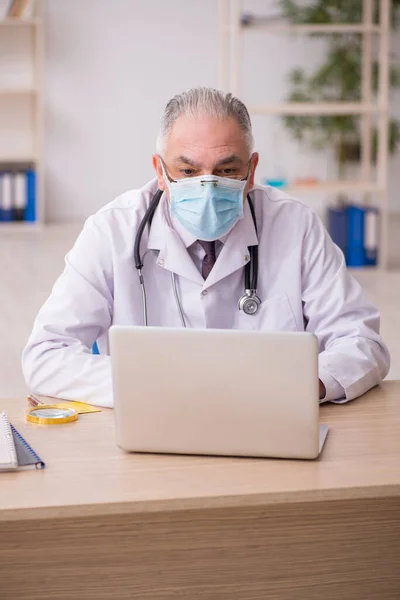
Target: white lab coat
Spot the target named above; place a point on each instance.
(303, 284)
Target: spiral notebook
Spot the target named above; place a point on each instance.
(15, 451)
(8, 453)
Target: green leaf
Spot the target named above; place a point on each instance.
(337, 79)
(394, 76)
(297, 76)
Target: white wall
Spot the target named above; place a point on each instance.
(111, 65)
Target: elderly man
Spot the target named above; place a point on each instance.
(204, 217)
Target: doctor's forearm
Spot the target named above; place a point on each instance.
(69, 374)
(355, 364)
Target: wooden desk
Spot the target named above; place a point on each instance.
(101, 524)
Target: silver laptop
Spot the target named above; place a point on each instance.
(216, 392)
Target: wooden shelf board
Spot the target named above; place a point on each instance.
(13, 226)
(18, 159)
(332, 186)
(17, 22)
(18, 91)
(310, 28)
(314, 108)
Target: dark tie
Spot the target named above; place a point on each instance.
(209, 259)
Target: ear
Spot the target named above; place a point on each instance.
(253, 166)
(158, 169)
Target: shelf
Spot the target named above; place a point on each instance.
(21, 105)
(13, 227)
(18, 159)
(314, 108)
(308, 28)
(12, 164)
(18, 22)
(17, 91)
(332, 187)
(375, 44)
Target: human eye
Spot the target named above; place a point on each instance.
(186, 172)
(228, 172)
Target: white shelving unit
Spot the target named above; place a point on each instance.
(231, 32)
(27, 104)
(14, 22)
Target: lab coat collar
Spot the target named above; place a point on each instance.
(173, 246)
(173, 254)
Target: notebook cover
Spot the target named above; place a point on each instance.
(25, 454)
(8, 455)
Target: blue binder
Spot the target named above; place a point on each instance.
(349, 227)
(355, 236)
(337, 226)
(371, 236)
(30, 209)
(1, 209)
(360, 250)
(6, 214)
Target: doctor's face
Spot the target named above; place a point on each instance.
(206, 146)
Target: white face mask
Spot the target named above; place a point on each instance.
(207, 206)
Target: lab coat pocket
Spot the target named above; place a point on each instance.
(275, 314)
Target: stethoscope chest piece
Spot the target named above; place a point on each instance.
(249, 303)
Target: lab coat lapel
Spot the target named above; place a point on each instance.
(175, 258)
(173, 254)
(234, 254)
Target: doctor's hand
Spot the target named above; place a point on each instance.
(322, 390)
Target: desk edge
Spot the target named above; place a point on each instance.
(199, 503)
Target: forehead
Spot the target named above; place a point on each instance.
(205, 136)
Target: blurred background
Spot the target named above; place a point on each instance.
(83, 85)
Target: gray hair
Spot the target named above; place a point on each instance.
(204, 101)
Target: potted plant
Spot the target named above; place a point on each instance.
(338, 79)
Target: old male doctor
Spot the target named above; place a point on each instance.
(194, 256)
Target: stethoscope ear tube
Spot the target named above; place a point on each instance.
(147, 219)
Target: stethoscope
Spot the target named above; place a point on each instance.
(249, 303)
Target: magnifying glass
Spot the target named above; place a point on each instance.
(46, 414)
